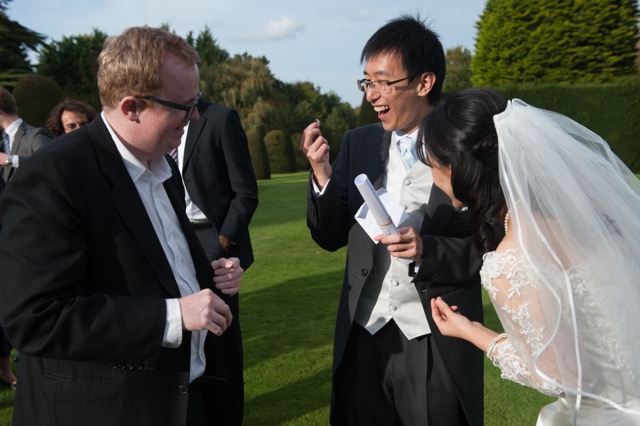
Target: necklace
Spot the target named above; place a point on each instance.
(506, 223)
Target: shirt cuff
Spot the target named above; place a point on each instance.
(317, 190)
(172, 337)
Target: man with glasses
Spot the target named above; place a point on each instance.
(69, 115)
(391, 365)
(107, 293)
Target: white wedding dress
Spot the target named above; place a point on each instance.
(534, 356)
(566, 282)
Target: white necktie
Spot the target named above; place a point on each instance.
(407, 151)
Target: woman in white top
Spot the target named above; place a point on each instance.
(564, 277)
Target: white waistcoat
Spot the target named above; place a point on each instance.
(388, 292)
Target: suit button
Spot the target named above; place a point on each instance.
(407, 182)
(183, 390)
(364, 272)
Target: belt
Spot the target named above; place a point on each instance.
(201, 224)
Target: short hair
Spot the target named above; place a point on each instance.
(130, 64)
(460, 132)
(418, 47)
(54, 122)
(7, 102)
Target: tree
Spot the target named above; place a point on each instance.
(245, 84)
(555, 41)
(36, 95)
(15, 43)
(73, 63)
(281, 155)
(207, 47)
(259, 154)
(458, 69)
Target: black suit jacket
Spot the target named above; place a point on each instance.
(27, 140)
(449, 268)
(219, 178)
(84, 286)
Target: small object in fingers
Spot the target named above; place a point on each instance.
(317, 120)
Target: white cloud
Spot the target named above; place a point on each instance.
(361, 14)
(275, 30)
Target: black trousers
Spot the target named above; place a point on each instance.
(385, 379)
(224, 397)
(5, 345)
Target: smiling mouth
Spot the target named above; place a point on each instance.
(381, 109)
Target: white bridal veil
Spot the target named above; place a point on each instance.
(575, 208)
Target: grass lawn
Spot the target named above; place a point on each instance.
(288, 307)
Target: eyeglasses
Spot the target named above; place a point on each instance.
(379, 85)
(188, 108)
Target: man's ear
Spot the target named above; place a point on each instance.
(427, 81)
(130, 108)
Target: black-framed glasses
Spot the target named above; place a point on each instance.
(188, 108)
(379, 85)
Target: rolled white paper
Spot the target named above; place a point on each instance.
(371, 199)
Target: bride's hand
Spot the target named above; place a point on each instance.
(448, 321)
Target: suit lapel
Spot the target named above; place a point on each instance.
(129, 206)
(17, 140)
(439, 210)
(195, 128)
(378, 172)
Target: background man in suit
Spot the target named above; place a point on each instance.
(19, 139)
(388, 366)
(221, 197)
(106, 291)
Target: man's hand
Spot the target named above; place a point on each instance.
(227, 275)
(3, 159)
(407, 244)
(316, 148)
(205, 310)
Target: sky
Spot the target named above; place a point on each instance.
(317, 41)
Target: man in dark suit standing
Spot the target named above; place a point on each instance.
(107, 293)
(19, 140)
(221, 197)
(391, 367)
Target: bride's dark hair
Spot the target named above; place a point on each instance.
(460, 132)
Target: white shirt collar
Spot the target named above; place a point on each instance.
(158, 169)
(13, 128)
(399, 134)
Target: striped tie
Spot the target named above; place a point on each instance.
(6, 143)
(174, 155)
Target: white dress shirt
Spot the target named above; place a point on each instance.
(149, 183)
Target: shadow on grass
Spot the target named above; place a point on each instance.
(297, 314)
(291, 402)
(6, 405)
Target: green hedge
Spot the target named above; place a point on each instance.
(281, 155)
(36, 95)
(259, 155)
(612, 110)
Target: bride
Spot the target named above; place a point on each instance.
(564, 277)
